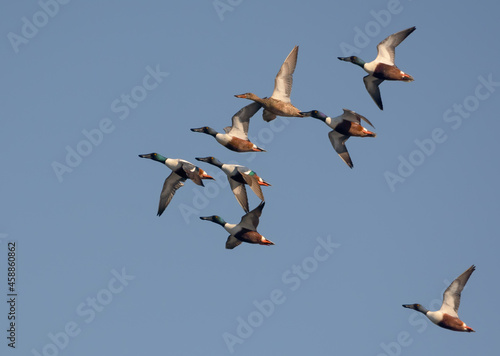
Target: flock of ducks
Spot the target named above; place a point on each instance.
(235, 138)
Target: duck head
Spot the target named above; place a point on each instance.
(154, 156)
(211, 160)
(353, 59)
(214, 218)
(416, 307)
(205, 129)
(314, 113)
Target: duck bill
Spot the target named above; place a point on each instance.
(206, 218)
(347, 59)
(147, 155)
(198, 129)
(242, 96)
(305, 113)
(203, 159)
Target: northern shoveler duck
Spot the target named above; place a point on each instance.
(383, 67)
(238, 176)
(344, 126)
(181, 171)
(235, 137)
(279, 103)
(447, 316)
(245, 231)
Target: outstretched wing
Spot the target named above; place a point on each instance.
(241, 120)
(386, 48)
(338, 142)
(371, 84)
(170, 186)
(284, 79)
(232, 242)
(252, 181)
(250, 220)
(353, 116)
(240, 193)
(451, 296)
(192, 172)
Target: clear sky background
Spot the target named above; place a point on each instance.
(420, 206)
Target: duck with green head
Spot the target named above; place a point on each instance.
(181, 171)
(344, 126)
(238, 176)
(383, 67)
(447, 316)
(245, 231)
(235, 137)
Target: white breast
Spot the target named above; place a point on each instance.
(435, 316)
(223, 139)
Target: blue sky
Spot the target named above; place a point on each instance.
(89, 86)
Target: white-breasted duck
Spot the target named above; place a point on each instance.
(238, 176)
(235, 137)
(344, 126)
(447, 316)
(383, 67)
(181, 171)
(245, 231)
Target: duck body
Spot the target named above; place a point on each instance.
(279, 103)
(181, 171)
(383, 67)
(245, 231)
(447, 316)
(343, 126)
(235, 137)
(239, 176)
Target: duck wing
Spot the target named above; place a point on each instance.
(451, 296)
(284, 79)
(250, 220)
(232, 242)
(353, 116)
(386, 48)
(252, 181)
(192, 172)
(371, 84)
(338, 142)
(170, 186)
(241, 120)
(240, 193)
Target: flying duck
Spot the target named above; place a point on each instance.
(279, 103)
(383, 67)
(447, 316)
(181, 171)
(344, 126)
(235, 137)
(238, 176)
(245, 231)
